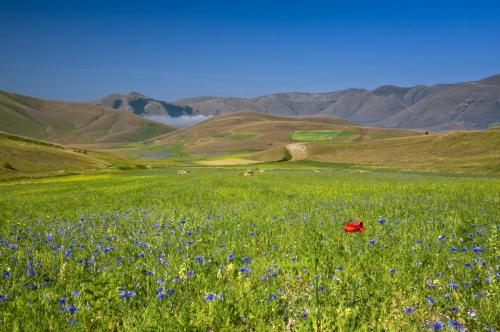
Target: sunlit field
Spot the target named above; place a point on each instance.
(216, 251)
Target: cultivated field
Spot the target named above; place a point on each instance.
(214, 250)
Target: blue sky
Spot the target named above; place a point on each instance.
(82, 50)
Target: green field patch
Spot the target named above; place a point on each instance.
(319, 135)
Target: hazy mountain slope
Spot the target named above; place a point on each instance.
(72, 123)
(470, 105)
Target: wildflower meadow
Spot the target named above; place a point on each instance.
(216, 251)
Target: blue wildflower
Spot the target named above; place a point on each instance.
(62, 299)
(392, 270)
(210, 297)
(3, 298)
(246, 259)
(372, 241)
(161, 295)
(70, 308)
(453, 249)
(381, 221)
(245, 269)
(477, 249)
(441, 237)
(304, 314)
(272, 297)
(72, 321)
(75, 293)
(199, 258)
(454, 323)
(230, 257)
(437, 325)
(127, 294)
(409, 310)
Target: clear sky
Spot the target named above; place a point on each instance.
(82, 50)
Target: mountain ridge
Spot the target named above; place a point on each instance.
(443, 106)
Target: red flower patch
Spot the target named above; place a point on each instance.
(354, 226)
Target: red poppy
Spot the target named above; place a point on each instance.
(354, 226)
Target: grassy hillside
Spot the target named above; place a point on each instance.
(462, 151)
(72, 123)
(252, 131)
(20, 157)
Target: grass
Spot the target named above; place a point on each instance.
(317, 135)
(213, 250)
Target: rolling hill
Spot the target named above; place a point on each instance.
(72, 123)
(254, 131)
(467, 105)
(20, 156)
(242, 138)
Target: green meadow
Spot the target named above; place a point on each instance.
(150, 250)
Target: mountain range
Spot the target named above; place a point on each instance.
(465, 105)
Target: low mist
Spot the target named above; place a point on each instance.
(181, 121)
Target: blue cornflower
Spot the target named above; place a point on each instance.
(437, 325)
(453, 249)
(199, 258)
(392, 270)
(3, 298)
(7, 274)
(148, 273)
(62, 299)
(161, 295)
(127, 294)
(441, 237)
(381, 221)
(430, 299)
(455, 309)
(141, 254)
(468, 265)
(246, 259)
(75, 293)
(189, 233)
(339, 268)
(170, 290)
(472, 313)
(452, 284)
(190, 273)
(372, 241)
(420, 241)
(305, 314)
(272, 297)
(409, 310)
(230, 257)
(70, 308)
(210, 297)
(454, 323)
(477, 249)
(293, 259)
(72, 321)
(245, 269)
